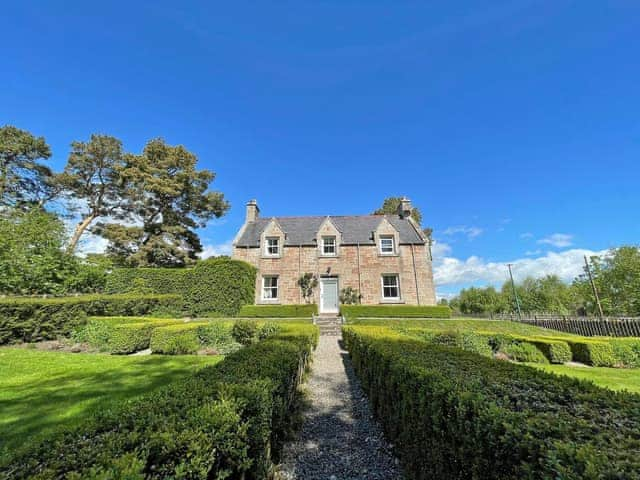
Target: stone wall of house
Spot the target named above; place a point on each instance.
(358, 267)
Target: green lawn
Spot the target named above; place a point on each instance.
(41, 390)
(611, 378)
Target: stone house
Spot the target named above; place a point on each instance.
(386, 258)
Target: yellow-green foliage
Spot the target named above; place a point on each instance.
(278, 311)
(456, 414)
(354, 312)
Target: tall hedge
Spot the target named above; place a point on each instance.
(35, 319)
(456, 414)
(216, 285)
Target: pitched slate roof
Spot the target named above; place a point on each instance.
(353, 229)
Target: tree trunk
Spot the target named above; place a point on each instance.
(80, 228)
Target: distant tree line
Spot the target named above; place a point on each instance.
(147, 207)
(616, 276)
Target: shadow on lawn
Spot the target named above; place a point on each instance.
(39, 406)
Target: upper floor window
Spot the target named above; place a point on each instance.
(272, 247)
(390, 287)
(329, 245)
(387, 245)
(270, 288)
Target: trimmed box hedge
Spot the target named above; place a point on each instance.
(120, 334)
(278, 311)
(456, 414)
(216, 285)
(353, 312)
(176, 339)
(35, 319)
(223, 421)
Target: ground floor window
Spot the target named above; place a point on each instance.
(269, 288)
(390, 287)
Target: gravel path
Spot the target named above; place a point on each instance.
(339, 439)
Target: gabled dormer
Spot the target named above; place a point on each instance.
(328, 239)
(387, 238)
(272, 240)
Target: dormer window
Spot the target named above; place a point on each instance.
(329, 246)
(272, 246)
(387, 245)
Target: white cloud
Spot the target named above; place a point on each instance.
(531, 253)
(454, 271)
(526, 235)
(470, 232)
(217, 250)
(440, 250)
(559, 240)
(90, 243)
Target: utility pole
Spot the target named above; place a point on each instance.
(515, 294)
(593, 287)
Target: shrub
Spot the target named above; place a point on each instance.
(223, 421)
(120, 334)
(176, 339)
(455, 414)
(217, 285)
(593, 352)
(268, 329)
(353, 312)
(35, 319)
(469, 341)
(626, 351)
(278, 311)
(556, 351)
(245, 332)
(217, 335)
(522, 351)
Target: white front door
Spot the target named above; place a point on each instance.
(329, 295)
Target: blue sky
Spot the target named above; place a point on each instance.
(513, 125)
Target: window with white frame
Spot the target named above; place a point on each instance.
(390, 287)
(329, 245)
(387, 245)
(272, 246)
(270, 288)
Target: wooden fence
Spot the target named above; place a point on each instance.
(587, 326)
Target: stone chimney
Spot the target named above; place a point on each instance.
(253, 212)
(405, 208)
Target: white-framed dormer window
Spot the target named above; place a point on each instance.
(329, 246)
(390, 287)
(272, 246)
(387, 245)
(270, 287)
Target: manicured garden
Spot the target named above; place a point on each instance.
(618, 379)
(42, 390)
(454, 412)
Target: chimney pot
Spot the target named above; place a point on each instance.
(253, 212)
(405, 208)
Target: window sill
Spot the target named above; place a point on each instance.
(328, 256)
(388, 301)
(272, 257)
(388, 254)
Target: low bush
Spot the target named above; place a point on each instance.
(456, 414)
(35, 319)
(627, 351)
(469, 341)
(176, 339)
(224, 421)
(120, 334)
(268, 329)
(556, 351)
(278, 311)
(521, 351)
(245, 332)
(593, 352)
(353, 312)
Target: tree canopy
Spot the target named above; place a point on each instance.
(23, 178)
(167, 199)
(390, 206)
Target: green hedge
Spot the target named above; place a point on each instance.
(456, 414)
(224, 421)
(353, 312)
(216, 285)
(593, 352)
(35, 319)
(176, 339)
(278, 311)
(120, 334)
